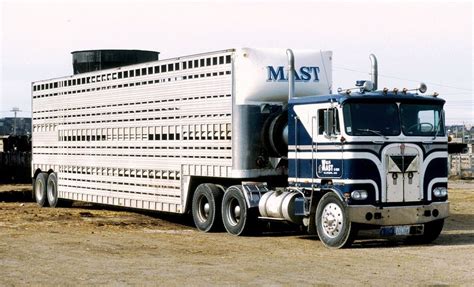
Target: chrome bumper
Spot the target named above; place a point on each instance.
(398, 215)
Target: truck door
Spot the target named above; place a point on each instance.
(328, 132)
(317, 145)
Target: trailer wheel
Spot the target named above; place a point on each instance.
(52, 190)
(39, 189)
(431, 231)
(238, 219)
(206, 207)
(332, 223)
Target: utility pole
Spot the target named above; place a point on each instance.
(15, 110)
(463, 128)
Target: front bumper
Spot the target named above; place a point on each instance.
(398, 215)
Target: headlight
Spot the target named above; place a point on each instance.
(440, 191)
(359, 194)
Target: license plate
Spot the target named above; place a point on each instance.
(401, 230)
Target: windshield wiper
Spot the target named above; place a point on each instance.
(374, 132)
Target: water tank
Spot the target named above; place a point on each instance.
(94, 60)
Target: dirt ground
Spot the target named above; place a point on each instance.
(88, 244)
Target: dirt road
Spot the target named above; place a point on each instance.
(87, 244)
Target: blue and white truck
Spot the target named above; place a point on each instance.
(240, 136)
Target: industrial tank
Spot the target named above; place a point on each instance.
(95, 60)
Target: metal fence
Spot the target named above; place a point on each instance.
(461, 165)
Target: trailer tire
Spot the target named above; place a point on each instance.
(39, 189)
(206, 207)
(52, 190)
(332, 222)
(238, 219)
(431, 231)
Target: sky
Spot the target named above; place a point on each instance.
(427, 41)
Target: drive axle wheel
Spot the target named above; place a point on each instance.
(206, 207)
(238, 219)
(39, 189)
(332, 223)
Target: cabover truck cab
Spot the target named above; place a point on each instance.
(239, 136)
(373, 159)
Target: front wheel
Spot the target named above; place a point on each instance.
(332, 222)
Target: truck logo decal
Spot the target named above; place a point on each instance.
(329, 168)
(304, 74)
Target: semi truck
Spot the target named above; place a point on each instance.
(243, 136)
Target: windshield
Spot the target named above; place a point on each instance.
(371, 119)
(422, 120)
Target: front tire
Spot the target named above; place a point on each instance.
(238, 219)
(39, 189)
(332, 222)
(431, 231)
(206, 207)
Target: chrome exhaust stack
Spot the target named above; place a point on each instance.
(291, 74)
(374, 71)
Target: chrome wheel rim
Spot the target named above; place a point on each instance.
(203, 209)
(234, 212)
(332, 220)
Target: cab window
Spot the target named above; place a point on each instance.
(328, 122)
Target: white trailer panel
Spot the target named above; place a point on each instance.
(135, 136)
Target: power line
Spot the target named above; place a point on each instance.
(403, 79)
